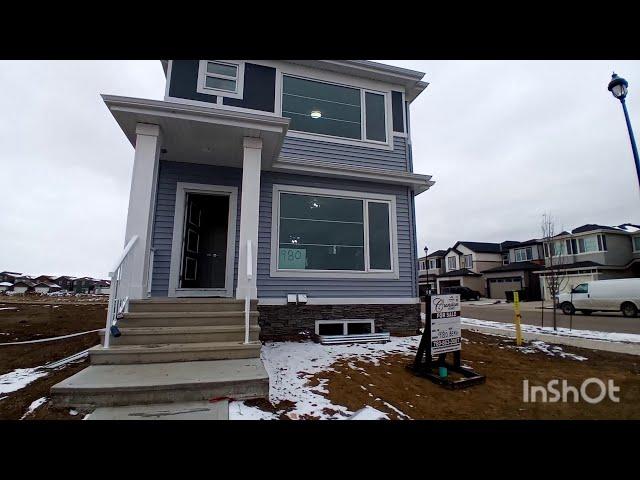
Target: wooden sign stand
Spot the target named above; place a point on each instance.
(424, 364)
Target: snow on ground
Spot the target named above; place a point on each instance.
(9, 308)
(369, 413)
(34, 406)
(291, 364)
(551, 350)
(588, 334)
(19, 378)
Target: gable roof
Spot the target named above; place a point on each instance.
(515, 266)
(438, 253)
(590, 227)
(480, 247)
(462, 272)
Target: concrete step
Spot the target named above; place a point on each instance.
(115, 385)
(205, 304)
(172, 352)
(183, 319)
(201, 334)
(203, 410)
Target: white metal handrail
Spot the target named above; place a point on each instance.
(119, 291)
(247, 296)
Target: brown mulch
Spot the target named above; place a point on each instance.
(390, 384)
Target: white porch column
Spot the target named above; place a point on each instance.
(141, 206)
(249, 206)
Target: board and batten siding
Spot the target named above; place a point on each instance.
(351, 155)
(169, 174)
(279, 287)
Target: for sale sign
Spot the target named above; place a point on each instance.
(445, 323)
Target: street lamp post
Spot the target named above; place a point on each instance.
(618, 88)
(426, 265)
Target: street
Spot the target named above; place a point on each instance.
(531, 314)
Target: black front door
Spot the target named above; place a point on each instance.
(204, 243)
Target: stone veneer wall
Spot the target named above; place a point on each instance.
(279, 322)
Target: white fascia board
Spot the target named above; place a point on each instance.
(419, 183)
(164, 109)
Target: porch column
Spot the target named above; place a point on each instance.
(141, 206)
(249, 206)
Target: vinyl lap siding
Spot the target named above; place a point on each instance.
(405, 286)
(169, 174)
(307, 149)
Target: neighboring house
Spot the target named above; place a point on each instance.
(430, 268)
(102, 287)
(46, 287)
(593, 252)
(84, 285)
(23, 286)
(5, 286)
(288, 183)
(43, 278)
(465, 262)
(9, 276)
(65, 282)
(520, 261)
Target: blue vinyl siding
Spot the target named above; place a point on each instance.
(172, 172)
(405, 286)
(352, 155)
(169, 174)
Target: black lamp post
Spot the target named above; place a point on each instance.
(426, 264)
(618, 88)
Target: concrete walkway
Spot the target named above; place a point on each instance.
(202, 410)
(617, 347)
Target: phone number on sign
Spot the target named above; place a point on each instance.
(445, 343)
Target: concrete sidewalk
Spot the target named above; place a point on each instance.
(202, 410)
(617, 347)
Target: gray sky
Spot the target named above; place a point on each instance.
(505, 142)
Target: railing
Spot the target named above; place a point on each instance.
(120, 286)
(247, 296)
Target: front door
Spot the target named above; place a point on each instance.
(203, 264)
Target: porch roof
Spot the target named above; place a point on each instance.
(200, 134)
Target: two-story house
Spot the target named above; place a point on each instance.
(464, 263)
(592, 252)
(520, 261)
(268, 199)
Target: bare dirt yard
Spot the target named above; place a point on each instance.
(356, 384)
(33, 317)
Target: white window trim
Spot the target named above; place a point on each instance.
(202, 73)
(464, 260)
(393, 273)
(455, 264)
(182, 189)
(523, 249)
(363, 141)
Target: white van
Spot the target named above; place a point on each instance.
(620, 295)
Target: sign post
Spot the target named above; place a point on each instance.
(442, 335)
(518, 318)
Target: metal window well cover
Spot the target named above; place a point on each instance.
(355, 338)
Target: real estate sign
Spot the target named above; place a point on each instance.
(445, 323)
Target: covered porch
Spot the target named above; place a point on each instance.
(200, 231)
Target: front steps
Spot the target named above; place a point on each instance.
(172, 350)
(116, 385)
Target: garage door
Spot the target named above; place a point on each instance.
(498, 286)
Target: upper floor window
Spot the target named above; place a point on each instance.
(505, 259)
(452, 264)
(434, 263)
(575, 246)
(636, 244)
(467, 261)
(222, 78)
(334, 110)
(523, 254)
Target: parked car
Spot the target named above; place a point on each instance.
(465, 292)
(619, 295)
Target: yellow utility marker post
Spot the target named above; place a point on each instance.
(518, 318)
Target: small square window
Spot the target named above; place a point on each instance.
(221, 78)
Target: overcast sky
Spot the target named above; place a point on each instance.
(505, 142)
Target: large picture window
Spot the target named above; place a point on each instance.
(324, 233)
(334, 110)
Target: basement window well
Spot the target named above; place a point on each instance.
(345, 327)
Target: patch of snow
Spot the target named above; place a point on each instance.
(291, 364)
(588, 334)
(9, 308)
(551, 350)
(368, 413)
(73, 412)
(34, 406)
(19, 378)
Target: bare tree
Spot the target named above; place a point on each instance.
(555, 254)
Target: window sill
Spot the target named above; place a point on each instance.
(335, 274)
(340, 140)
